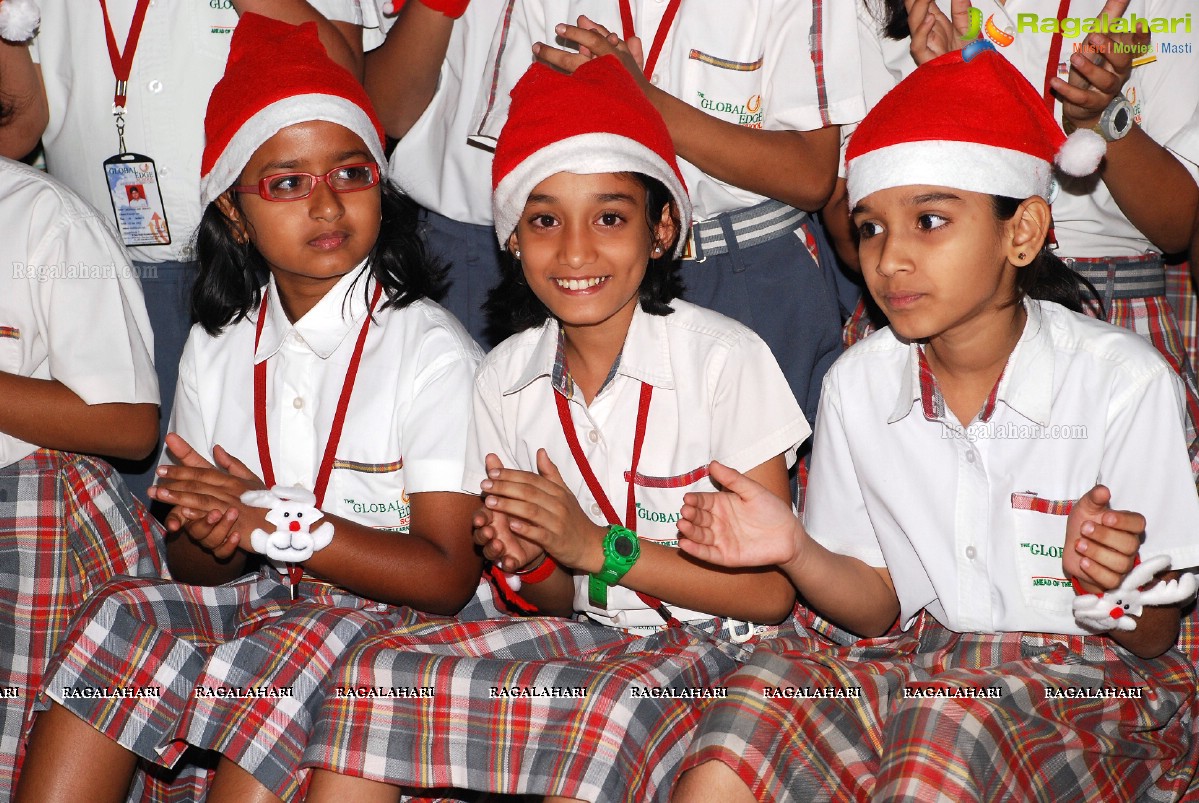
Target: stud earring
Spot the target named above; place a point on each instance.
(657, 250)
(1021, 255)
(516, 254)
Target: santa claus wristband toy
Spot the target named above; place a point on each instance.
(18, 20)
(293, 511)
(1115, 609)
(451, 8)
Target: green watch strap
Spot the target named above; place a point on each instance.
(621, 551)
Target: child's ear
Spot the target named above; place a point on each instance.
(667, 230)
(1028, 229)
(513, 245)
(237, 224)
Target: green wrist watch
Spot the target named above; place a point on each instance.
(621, 550)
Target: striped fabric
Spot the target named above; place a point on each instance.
(757, 224)
(607, 744)
(1053, 507)
(900, 731)
(1180, 292)
(67, 524)
(237, 669)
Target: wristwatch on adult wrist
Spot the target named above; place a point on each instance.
(621, 551)
(1115, 122)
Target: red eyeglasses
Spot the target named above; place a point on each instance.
(298, 186)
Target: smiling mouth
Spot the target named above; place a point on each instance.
(581, 284)
(329, 240)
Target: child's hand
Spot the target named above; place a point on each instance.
(1101, 543)
(744, 525)
(500, 545)
(933, 33)
(593, 41)
(541, 509)
(1098, 75)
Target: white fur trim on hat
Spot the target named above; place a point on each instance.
(585, 154)
(19, 20)
(966, 166)
(274, 118)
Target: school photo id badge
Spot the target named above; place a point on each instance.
(136, 200)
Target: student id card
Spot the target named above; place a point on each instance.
(136, 200)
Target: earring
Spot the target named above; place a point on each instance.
(657, 250)
(1021, 255)
(516, 254)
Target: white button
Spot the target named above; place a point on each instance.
(297, 402)
(593, 436)
(970, 456)
(971, 552)
(655, 79)
(596, 509)
(166, 171)
(154, 86)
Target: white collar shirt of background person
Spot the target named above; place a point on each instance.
(405, 427)
(179, 58)
(71, 308)
(718, 394)
(770, 64)
(1087, 221)
(434, 163)
(970, 521)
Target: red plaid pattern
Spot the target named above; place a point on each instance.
(1180, 292)
(67, 524)
(1022, 744)
(1030, 501)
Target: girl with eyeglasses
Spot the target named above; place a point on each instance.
(316, 362)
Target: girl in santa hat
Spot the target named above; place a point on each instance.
(316, 362)
(998, 486)
(589, 426)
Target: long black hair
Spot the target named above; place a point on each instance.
(892, 15)
(1048, 278)
(513, 307)
(228, 285)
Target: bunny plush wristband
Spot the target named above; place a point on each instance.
(1115, 609)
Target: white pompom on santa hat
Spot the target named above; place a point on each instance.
(972, 124)
(19, 20)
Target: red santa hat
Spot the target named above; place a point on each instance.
(974, 125)
(19, 19)
(595, 121)
(277, 75)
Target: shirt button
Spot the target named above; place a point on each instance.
(971, 552)
(655, 79)
(297, 403)
(595, 509)
(970, 456)
(164, 172)
(593, 436)
(154, 86)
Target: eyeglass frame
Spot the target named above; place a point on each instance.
(261, 188)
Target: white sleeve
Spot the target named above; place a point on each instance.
(1146, 466)
(755, 416)
(510, 56)
(187, 421)
(432, 435)
(93, 315)
(486, 432)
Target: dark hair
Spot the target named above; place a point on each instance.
(1048, 278)
(228, 285)
(513, 307)
(893, 16)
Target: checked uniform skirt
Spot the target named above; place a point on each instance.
(67, 524)
(476, 729)
(1025, 743)
(236, 669)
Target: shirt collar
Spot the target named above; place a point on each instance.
(326, 325)
(1025, 386)
(645, 356)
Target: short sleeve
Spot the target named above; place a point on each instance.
(754, 413)
(486, 431)
(1146, 466)
(186, 419)
(835, 511)
(433, 430)
(98, 337)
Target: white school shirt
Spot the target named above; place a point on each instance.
(179, 59)
(71, 308)
(1087, 221)
(405, 428)
(434, 163)
(769, 64)
(971, 522)
(718, 394)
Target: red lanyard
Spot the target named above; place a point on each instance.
(122, 61)
(655, 49)
(1055, 55)
(593, 484)
(339, 417)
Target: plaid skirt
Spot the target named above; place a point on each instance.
(67, 524)
(936, 715)
(1180, 292)
(542, 706)
(237, 669)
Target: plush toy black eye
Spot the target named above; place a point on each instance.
(286, 514)
(1127, 607)
(299, 515)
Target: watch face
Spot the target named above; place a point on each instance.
(623, 546)
(1123, 115)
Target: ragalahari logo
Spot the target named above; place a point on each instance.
(991, 35)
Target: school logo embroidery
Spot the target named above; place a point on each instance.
(747, 113)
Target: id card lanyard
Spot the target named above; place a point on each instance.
(597, 490)
(629, 30)
(294, 572)
(131, 178)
